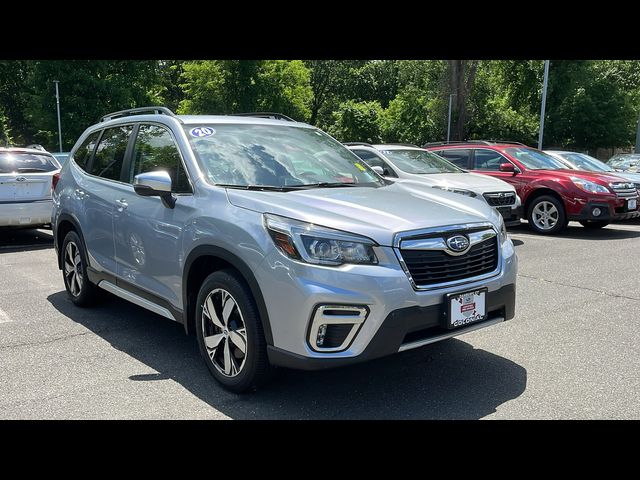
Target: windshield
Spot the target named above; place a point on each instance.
(535, 159)
(624, 162)
(16, 162)
(420, 161)
(586, 162)
(246, 155)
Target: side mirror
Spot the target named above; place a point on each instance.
(378, 170)
(507, 167)
(155, 184)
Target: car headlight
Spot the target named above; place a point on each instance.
(319, 245)
(461, 191)
(503, 230)
(588, 186)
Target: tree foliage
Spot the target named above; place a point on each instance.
(590, 104)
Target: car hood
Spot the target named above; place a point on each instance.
(631, 177)
(597, 177)
(377, 213)
(470, 181)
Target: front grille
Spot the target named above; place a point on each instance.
(500, 199)
(624, 189)
(430, 267)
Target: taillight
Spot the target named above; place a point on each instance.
(54, 180)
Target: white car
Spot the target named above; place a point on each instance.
(26, 179)
(582, 161)
(409, 162)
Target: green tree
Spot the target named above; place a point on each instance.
(233, 86)
(358, 121)
(88, 90)
(14, 96)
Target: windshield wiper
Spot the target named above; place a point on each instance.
(269, 188)
(324, 185)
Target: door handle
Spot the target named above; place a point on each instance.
(122, 205)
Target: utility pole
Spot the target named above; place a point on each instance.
(637, 149)
(58, 107)
(449, 120)
(544, 103)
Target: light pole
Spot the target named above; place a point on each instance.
(637, 149)
(544, 102)
(58, 107)
(449, 120)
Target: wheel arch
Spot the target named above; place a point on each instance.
(204, 260)
(64, 225)
(539, 192)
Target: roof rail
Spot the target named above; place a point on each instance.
(275, 116)
(478, 142)
(358, 144)
(403, 144)
(139, 110)
(508, 143)
(36, 146)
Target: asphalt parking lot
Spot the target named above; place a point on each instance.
(572, 352)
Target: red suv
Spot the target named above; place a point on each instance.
(551, 195)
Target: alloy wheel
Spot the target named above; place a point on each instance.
(545, 215)
(73, 268)
(224, 332)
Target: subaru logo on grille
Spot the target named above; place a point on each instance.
(458, 243)
(21, 179)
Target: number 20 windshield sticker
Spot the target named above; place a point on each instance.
(202, 132)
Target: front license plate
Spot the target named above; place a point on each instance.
(466, 308)
(632, 204)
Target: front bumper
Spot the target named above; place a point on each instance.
(405, 329)
(609, 211)
(27, 214)
(292, 291)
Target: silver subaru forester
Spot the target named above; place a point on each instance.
(273, 243)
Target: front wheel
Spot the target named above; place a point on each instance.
(593, 224)
(546, 215)
(230, 334)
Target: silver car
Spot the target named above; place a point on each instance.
(582, 161)
(273, 243)
(409, 162)
(26, 180)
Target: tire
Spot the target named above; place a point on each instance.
(556, 221)
(81, 291)
(237, 371)
(594, 224)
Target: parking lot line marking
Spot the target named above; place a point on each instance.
(4, 317)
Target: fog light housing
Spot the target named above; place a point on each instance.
(333, 327)
(596, 212)
(322, 331)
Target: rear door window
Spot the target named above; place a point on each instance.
(458, 156)
(109, 156)
(85, 151)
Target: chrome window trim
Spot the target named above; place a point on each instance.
(401, 237)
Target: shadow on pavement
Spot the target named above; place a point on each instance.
(578, 232)
(19, 240)
(447, 380)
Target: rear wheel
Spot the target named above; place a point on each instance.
(230, 334)
(74, 270)
(546, 215)
(593, 224)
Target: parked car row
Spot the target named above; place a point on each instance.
(551, 192)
